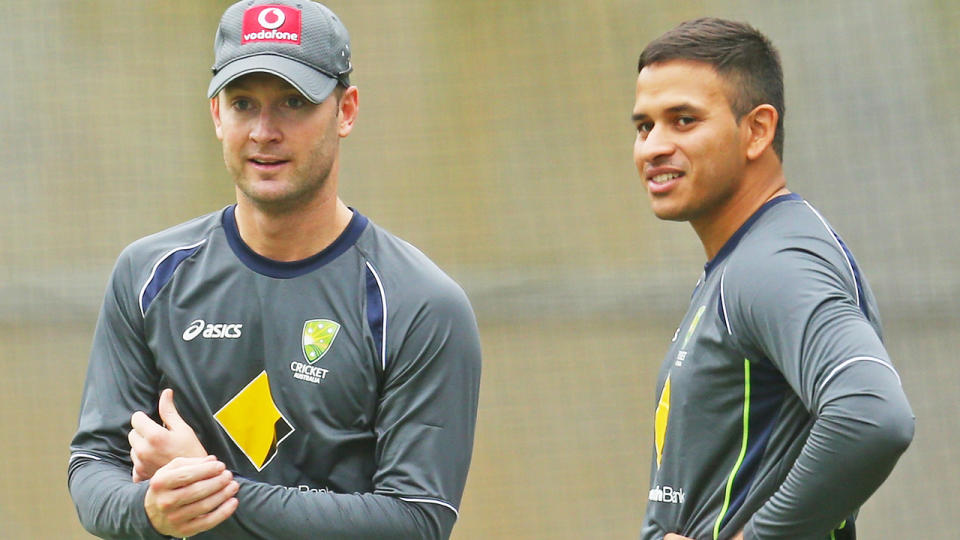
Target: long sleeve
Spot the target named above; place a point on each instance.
(120, 379)
(268, 511)
(859, 433)
(799, 312)
(109, 504)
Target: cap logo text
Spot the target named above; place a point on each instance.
(271, 23)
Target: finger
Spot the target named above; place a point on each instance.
(185, 471)
(168, 412)
(137, 447)
(145, 426)
(136, 464)
(141, 469)
(138, 467)
(134, 438)
(187, 502)
(210, 520)
(140, 449)
(205, 505)
(202, 489)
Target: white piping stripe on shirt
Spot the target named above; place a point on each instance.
(431, 501)
(856, 282)
(154, 271)
(383, 300)
(723, 302)
(79, 455)
(846, 363)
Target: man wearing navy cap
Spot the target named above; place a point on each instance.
(281, 368)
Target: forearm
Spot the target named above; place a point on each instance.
(852, 447)
(109, 504)
(268, 511)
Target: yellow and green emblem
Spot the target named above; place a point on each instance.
(318, 335)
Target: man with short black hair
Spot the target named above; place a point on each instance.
(331, 368)
(778, 411)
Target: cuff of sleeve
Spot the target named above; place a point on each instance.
(748, 532)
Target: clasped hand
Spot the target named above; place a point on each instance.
(190, 491)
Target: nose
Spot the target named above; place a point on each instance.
(655, 146)
(265, 128)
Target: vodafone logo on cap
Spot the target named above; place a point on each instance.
(271, 22)
(271, 18)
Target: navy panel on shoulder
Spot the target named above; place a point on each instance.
(376, 312)
(861, 300)
(163, 272)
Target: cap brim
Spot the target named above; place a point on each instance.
(313, 84)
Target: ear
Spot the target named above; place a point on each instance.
(761, 126)
(215, 114)
(347, 115)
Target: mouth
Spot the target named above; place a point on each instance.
(266, 163)
(664, 178)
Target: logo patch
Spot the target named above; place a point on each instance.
(271, 23)
(317, 337)
(666, 494)
(682, 353)
(199, 327)
(253, 421)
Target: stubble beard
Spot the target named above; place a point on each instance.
(299, 188)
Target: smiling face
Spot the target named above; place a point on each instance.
(281, 149)
(690, 150)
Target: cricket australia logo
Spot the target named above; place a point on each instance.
(682, 354)
(318, 336)
(316, 339)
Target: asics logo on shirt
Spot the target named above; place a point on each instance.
(200, 327)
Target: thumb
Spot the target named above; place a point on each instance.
(168, 411)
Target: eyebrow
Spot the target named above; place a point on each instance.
(675, 110)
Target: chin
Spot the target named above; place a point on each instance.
(667, 212)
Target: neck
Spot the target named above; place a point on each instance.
(715, 229)
(293, 234)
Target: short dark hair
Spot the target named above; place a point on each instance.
(740, 54)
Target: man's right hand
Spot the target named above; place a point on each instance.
(153, 445)
(190, 495)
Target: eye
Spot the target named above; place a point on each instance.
(241, 104)
(295, 102)
(643, 128)
(685, 121)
